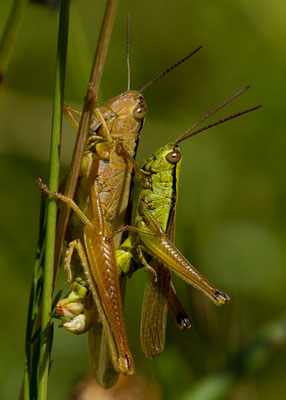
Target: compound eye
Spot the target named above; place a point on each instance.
(140, 111)
(174, 156)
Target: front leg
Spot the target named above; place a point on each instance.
(124, 153)
(77, 310)
(67, 200)
(145, 264)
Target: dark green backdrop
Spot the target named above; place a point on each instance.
(231, 214)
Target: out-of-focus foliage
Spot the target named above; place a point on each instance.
(231, 215)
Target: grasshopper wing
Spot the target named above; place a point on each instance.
(155, 303)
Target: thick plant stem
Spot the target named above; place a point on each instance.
(95, 78)
(46, 326)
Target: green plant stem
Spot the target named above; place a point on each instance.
(95, 78)
(246, 362)
(9, 35)
(34, 303)
(45, 338)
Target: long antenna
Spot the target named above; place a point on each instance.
(127, 51)
(216, 123)
(168, 70)
(212, 112)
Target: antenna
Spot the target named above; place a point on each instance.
(168, 70)
(221, 121)
(127, 51)
(212, 112)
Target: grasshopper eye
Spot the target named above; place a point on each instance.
(174, 156)
(140, 111)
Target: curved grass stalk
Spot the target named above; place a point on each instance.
(29, 387)
(9, 35)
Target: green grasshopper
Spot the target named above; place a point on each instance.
(152, 234)
(103, 194)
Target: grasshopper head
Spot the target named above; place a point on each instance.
(130, 110)
(166, 158)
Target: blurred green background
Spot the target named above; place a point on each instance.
(231, 214)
